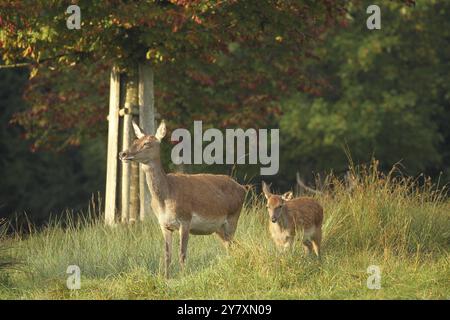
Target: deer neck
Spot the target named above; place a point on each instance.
(156, 181)
(283, 220)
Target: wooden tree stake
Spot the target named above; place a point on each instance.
(113, 136)
(147, 122)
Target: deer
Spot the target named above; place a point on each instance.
(288, 215)
(198, 204)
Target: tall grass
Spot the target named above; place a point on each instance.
(387, 212)
(6, 260)
(395, 222)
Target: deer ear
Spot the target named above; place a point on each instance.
(266, 190)
(287, 196)
(137, 130)
(161, 132)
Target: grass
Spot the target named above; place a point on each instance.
(385, 220)
(6, 261)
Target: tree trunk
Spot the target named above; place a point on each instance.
(133, 91)
(147, 123)
(130, 172)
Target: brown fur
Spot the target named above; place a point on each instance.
(287, 216)
(205, 194)
(196, 204)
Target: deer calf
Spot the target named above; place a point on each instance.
(288, 215)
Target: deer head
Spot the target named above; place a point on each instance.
(145, 148)
(275, 203)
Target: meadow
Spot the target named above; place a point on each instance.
(397, 223)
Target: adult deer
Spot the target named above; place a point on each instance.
(290, 215)
(199, 204)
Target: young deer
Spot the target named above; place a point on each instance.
(199, 204)
(288, 215)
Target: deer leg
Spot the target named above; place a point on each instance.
(307, 247)
(227, 230)
(184, 237)
(223, 235)
(287, 244)
(308, 236)
(231, 224)
(167, 250)
(316, 240)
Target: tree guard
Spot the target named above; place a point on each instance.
(133, 201)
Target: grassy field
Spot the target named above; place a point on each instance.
(389, 222)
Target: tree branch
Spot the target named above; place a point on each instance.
(26, 64)
(15, 65)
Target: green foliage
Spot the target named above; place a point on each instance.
(386, 221)
(45, 182)
(233, 63)
(386, 94)
(224, 62)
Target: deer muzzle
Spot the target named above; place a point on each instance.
(125, 156)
